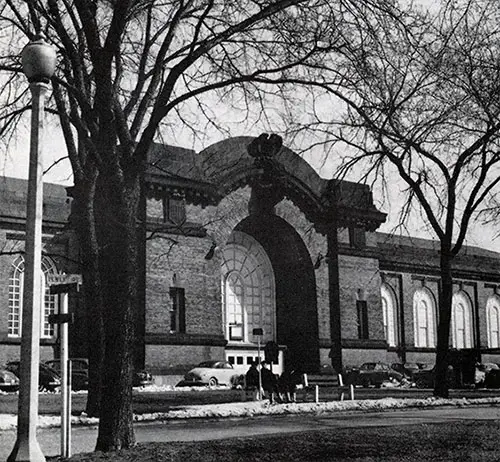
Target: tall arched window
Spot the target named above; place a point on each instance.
(235, 296)
(247, 290)
(49, 301)
(389, 314)
(461, 321)
(493, 321)
(424, 315)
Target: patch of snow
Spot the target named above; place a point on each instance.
(253, 408)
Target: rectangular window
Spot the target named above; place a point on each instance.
(177, 310)
(357, 238)
(174, 210)
(362, 311)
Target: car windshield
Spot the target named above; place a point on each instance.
(210, 364)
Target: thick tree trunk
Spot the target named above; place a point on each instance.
(441, 384)
(116, 223)
(84, 223)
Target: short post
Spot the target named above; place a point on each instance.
(316, 393)
(66, 396)
(68, 411)
(63, 284)
(260, 370)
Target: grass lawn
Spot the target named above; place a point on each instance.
(464, 441)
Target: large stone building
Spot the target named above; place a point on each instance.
(237, 239)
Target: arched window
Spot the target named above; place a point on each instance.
(461, 321)
(389, 314)
(493, 321)
(247, 290)
(424, 315)
(235, 296)
(49, 301)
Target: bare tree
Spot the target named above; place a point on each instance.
(416, 93)
(126, 70)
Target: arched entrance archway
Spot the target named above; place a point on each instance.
(295, 288)
(248, 292)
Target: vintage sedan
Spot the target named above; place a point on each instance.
(79, 372)
(408, 369)
(424, 378)
(142, 378)
(375, 374)
(8, 380)
(211, 373)
(48, 378)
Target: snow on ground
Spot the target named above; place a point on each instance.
(254, 408)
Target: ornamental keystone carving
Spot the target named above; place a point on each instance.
(265, 146)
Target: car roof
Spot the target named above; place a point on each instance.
(211, 363)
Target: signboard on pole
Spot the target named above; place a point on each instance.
(63, 283)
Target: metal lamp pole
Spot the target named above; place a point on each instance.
(39, 61)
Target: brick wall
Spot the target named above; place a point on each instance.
(360, 273)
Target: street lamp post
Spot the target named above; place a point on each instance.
(39, 61)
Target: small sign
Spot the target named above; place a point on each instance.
(257, 331)
(60, 318)
(54, 279)
(63, 283)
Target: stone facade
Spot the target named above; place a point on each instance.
(235, 241)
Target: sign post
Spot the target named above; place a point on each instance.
(62, 284)
(259, 333)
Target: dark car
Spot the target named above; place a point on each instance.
(408, 369)
(48, 379)
(491, 377)
(142, 378)
(424, 378)
(79, 372)
(8, 380)
(375, 374)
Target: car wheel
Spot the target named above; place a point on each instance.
(41, 387)
(213, 382)
(367, 383)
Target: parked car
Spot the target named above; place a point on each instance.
(48, 379)
(211, 373)
(408, 369)
(375, 374)
(491, 375)
(142, 378)
(424, 378)
(79, 372)
(8, 380)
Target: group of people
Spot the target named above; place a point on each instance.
(277, 389)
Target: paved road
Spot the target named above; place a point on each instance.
(83, 438)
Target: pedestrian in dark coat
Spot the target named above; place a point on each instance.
(287, 385)
(252, 377)
(269, 382)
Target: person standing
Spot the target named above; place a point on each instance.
(252, 378)
(269, 382)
